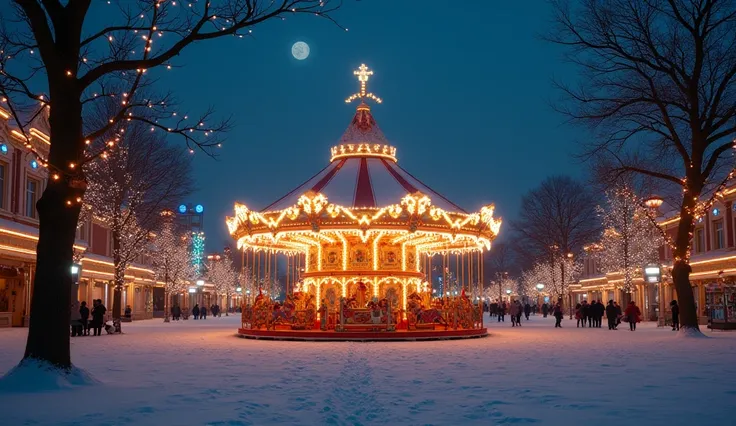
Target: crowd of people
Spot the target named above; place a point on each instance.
(80, 318)
(586, 314)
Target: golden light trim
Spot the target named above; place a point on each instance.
(363, 74)
(4, 114)
(33, 237)
(104, 262)
(363, 150)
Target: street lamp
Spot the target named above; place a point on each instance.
(508, 293)
(200, 283)
(653, 275)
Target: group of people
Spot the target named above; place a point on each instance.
(592, 313)
(80, 318)
(515, 309)
(201, 312)
(198, 312)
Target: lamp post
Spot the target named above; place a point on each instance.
(540, 287)
(654, 272)
(653, 275)
(508, 293)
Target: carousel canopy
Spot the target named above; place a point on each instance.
(363, 172)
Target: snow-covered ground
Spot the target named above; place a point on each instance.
(198, 372)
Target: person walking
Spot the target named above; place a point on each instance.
(611, 315)
(195, 311)
(513, 311)
(203, 313)
(76, 319)
(502, 312)
(601, 312)
(558, 315)
(527, 310)
(98, 316)
(84, 314)
(519, 311)
(633, 315)
(579, 314)
(619, 313)
(675, 308)
(545, 310)
(585, 313)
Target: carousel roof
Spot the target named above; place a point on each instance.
(363, 172)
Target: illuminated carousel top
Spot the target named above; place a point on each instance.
(363, 191)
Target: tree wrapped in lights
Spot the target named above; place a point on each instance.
(247, 283)
(556, 276)
(86, 53)
(223, 277)
(497, 288)
(630, 239)
(172, 260)
(128, 187)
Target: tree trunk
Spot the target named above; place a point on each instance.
(681, 269)
(58, 211)
(119, 265)
(48, 331)
(167, 305)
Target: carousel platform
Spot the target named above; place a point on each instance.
(362, 336)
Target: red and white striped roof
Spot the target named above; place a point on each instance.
(363, 172)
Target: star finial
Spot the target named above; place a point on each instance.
(363, 74)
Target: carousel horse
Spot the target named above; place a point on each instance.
(423, 315)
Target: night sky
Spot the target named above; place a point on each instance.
(466, 88)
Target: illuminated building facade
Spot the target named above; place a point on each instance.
(22, 181)
(713, 262)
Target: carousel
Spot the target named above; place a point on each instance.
(364, 249)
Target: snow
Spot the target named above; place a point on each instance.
(198, 372)
(35, 376)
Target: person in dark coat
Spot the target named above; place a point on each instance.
(195, 311)
(502, 312)
(611, 315)
(84, 313)
(203, 312)
(601, 312)
(619, 313)
(592, 313)
(98, 316)
(675, 308)
(527, 310)
(558, 315)
(545, 309)
(633, 315)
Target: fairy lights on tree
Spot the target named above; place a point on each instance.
(172, 260)
(223, 277)
(630, 240)
(90, 51)
(126, 190)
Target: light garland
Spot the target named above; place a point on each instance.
(630, 240)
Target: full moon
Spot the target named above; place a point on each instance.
(300, 50)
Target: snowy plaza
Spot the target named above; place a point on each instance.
(199, 372)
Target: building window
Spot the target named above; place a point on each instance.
(82, 232)
(718, 240)
(31, 197)
(2, 185)
(699, 240)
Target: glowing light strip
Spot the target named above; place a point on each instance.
(104, 262)
(40, 135)
(32, 237)
(344, 251)
(403, 256)
(4, 114)
(375, 249)
(17, 249)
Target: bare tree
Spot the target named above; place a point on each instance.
(129, 187)
(83, 55)
(559, 213)
(657, 89)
